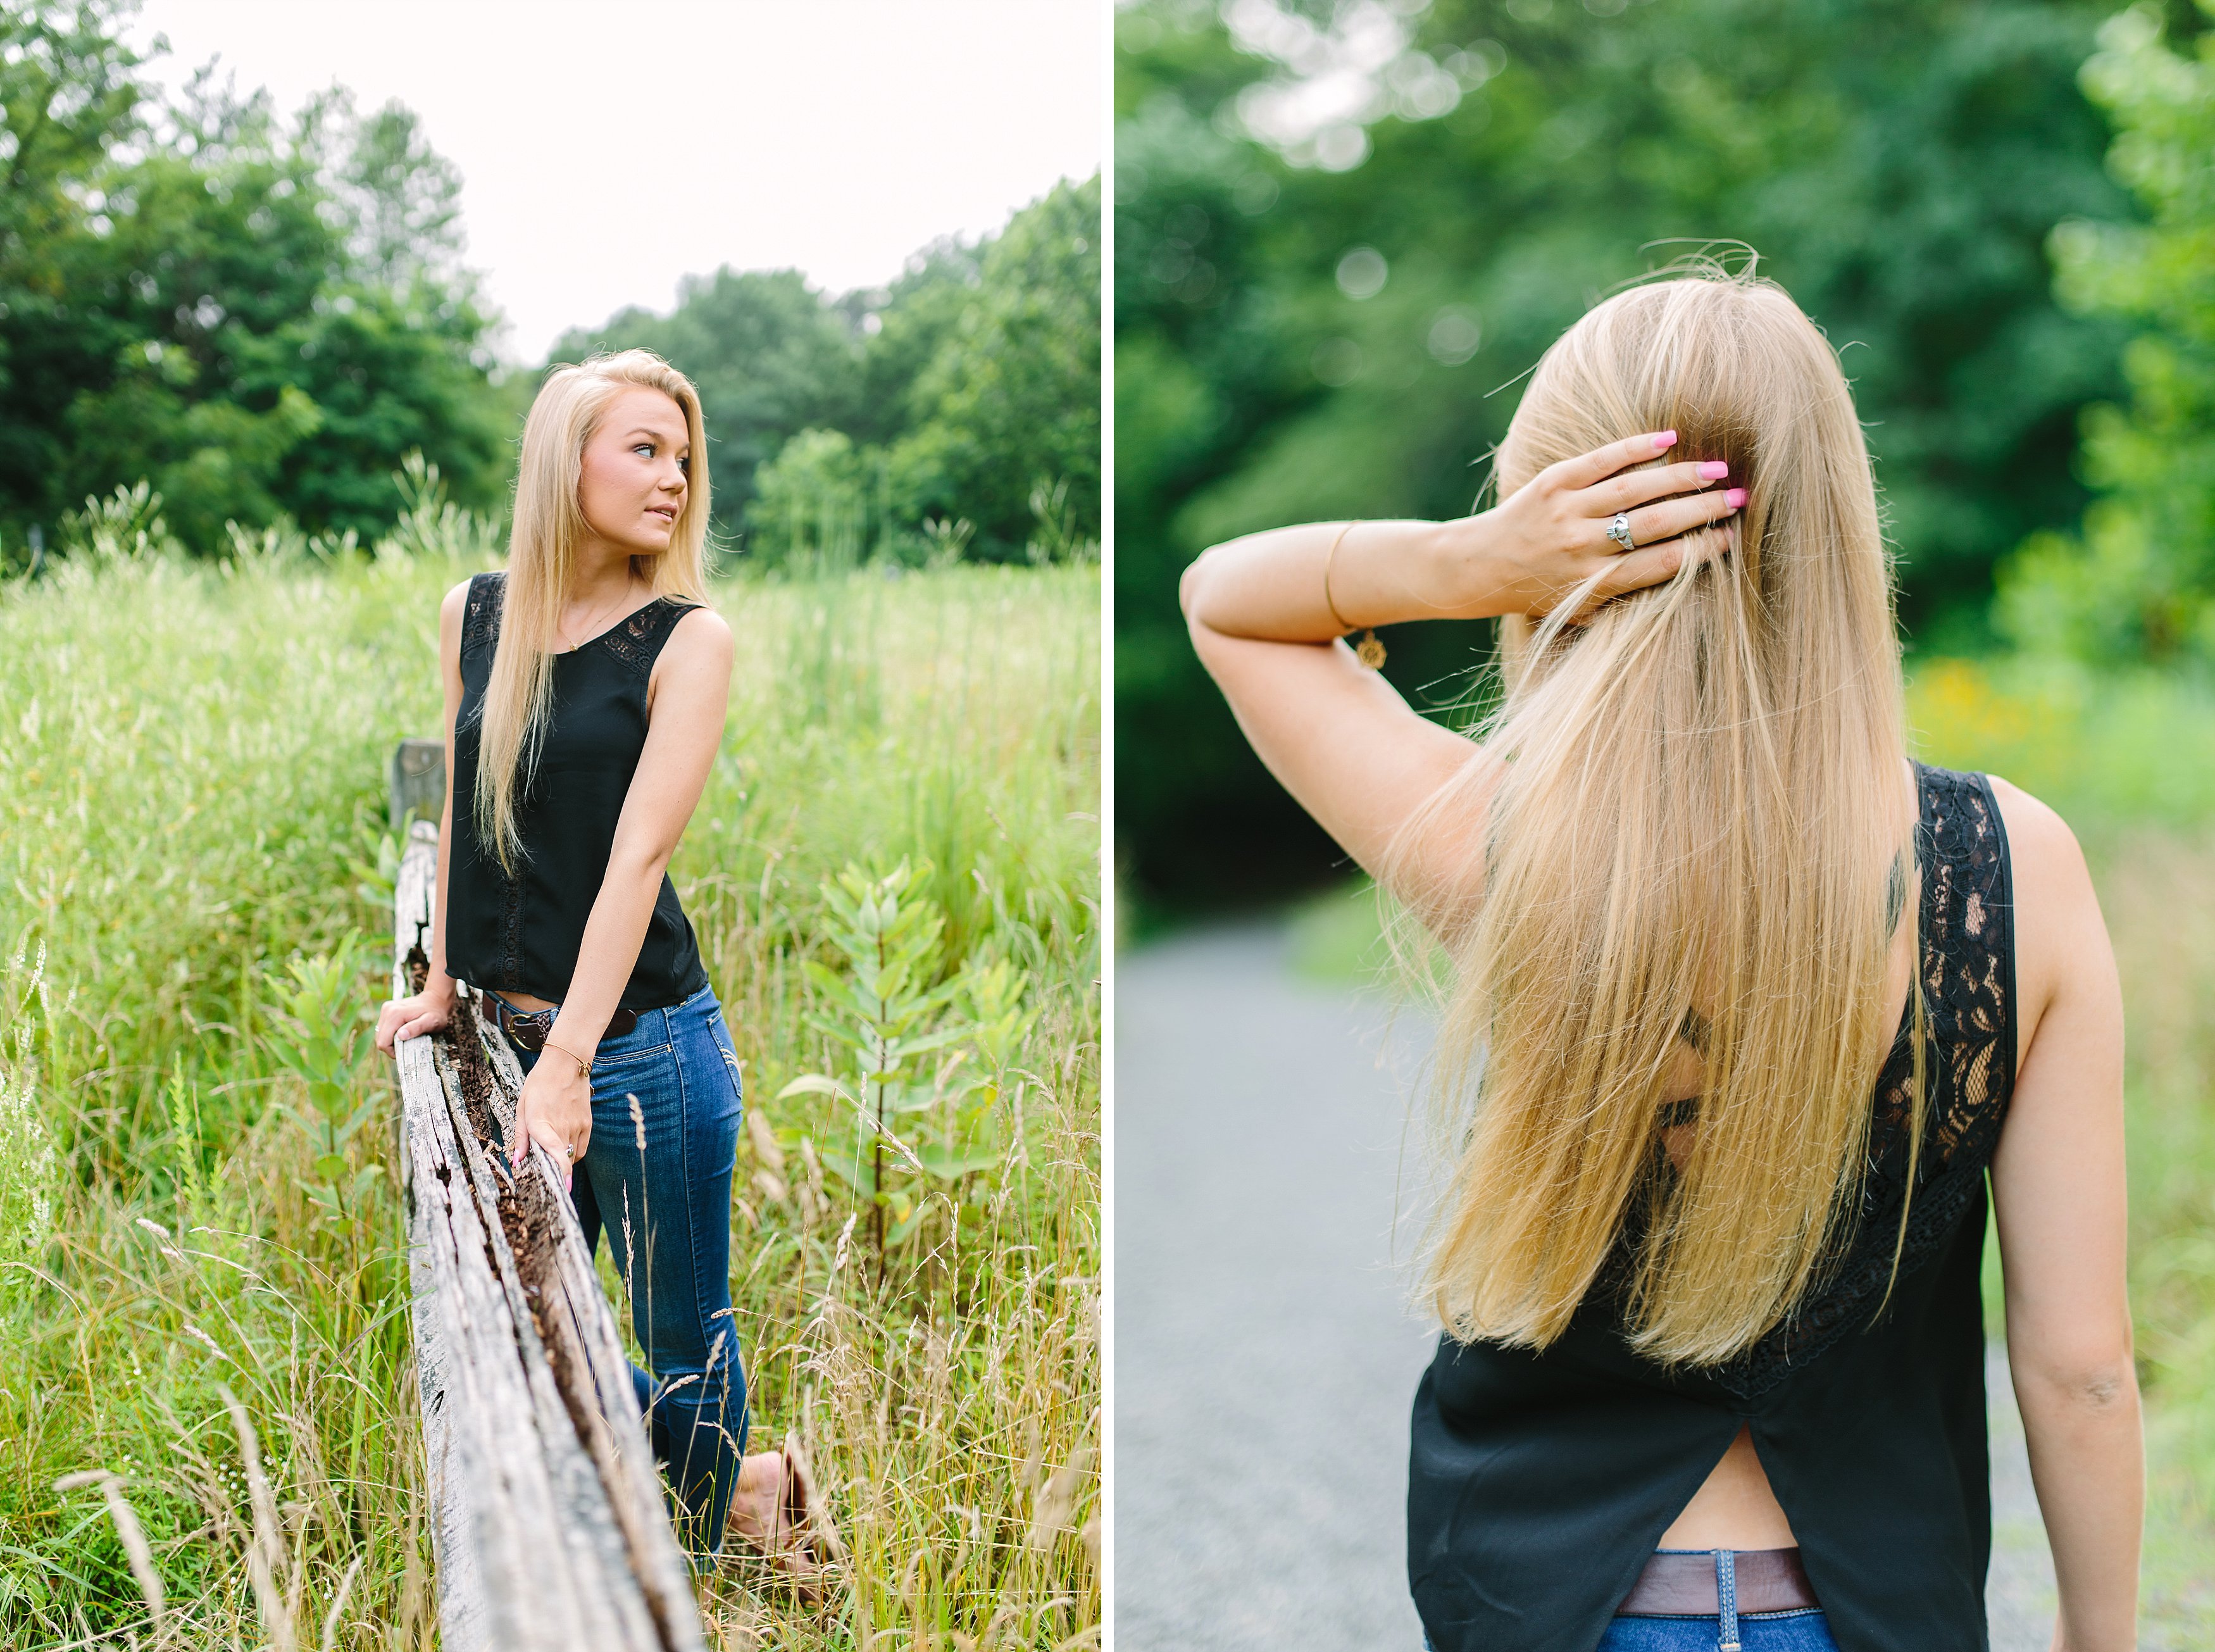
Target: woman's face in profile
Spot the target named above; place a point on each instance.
(632, 484)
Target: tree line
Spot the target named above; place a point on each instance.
(1344, 234)
(263, 318)
(957, 410)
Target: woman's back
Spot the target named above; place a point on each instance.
(1563, 1467)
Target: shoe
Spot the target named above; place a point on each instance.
(802, 1542)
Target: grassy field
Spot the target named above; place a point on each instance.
(2130, 763)
(195, 889)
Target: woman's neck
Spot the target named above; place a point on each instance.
(600, 574)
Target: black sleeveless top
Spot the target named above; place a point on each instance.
(522, 933)
(1539, 1483)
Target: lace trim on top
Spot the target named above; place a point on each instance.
(1967, 975)
(636, 641)
(480, 617)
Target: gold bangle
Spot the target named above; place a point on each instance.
(1369, 651)
(584, 1067)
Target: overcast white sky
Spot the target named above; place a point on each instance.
(607, 148)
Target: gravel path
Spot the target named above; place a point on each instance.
(1264, 1356)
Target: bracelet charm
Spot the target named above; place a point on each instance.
(1369, 651)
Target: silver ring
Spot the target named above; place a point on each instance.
(568, 1151)
(1619, 531)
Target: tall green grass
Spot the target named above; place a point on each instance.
(192, 796)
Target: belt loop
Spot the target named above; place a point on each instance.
(1727, 1600)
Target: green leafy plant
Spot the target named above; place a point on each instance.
(883, 1014)
(1055, 536)
(376, 869)
(319, 1036)
(948, 539)
(913, 1122)
(968, 1137)
(183, 1099)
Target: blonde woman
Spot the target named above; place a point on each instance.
(586, 688)
(1747, 1008)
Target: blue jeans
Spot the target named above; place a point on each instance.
(659, 1181)
(1804, 1630)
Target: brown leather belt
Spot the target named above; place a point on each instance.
(1678, 1584)
(529, 1028)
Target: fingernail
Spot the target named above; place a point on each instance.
(1666, 439)
(1713, 470)
(1734, 498)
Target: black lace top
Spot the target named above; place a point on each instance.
(522, 933)
(1539, 1483)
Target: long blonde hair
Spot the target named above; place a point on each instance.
(542, 563)
(1694, 843)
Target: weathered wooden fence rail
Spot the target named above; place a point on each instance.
(551, 1527)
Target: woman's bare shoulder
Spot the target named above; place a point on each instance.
(452, 606)
(2043, 853)
(2060, 939)
(701, 634)
(452, 615)
(697, 657)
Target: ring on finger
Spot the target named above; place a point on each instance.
(568, 1150)
(1619, 531)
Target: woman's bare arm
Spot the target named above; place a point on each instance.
(1338, 737)
(687, 699)
(2058, 1195)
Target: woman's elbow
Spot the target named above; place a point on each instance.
(2082, 1380)
(641, 864)
(1189, 585)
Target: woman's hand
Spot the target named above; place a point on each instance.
(427, 1012)
(1549, 537)
(556, 1111)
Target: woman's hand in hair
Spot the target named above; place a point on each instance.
(427, 1012)
(1266, 609)
(1549, 540)
(556, 1111)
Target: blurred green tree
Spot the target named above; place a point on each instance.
(2139, 583)
(771, 358)
(259, 320)
(814, 499)
(1010, 398)
(1345, 231)
(959, 389)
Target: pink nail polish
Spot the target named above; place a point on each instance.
(1734, 498)
(1666, 439)
(1713, 470)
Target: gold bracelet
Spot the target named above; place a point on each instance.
(1369, 651)
(584, 1067)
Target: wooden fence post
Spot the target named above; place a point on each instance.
(418, 781)
(550, 1526)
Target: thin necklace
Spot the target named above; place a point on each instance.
(597, 628)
